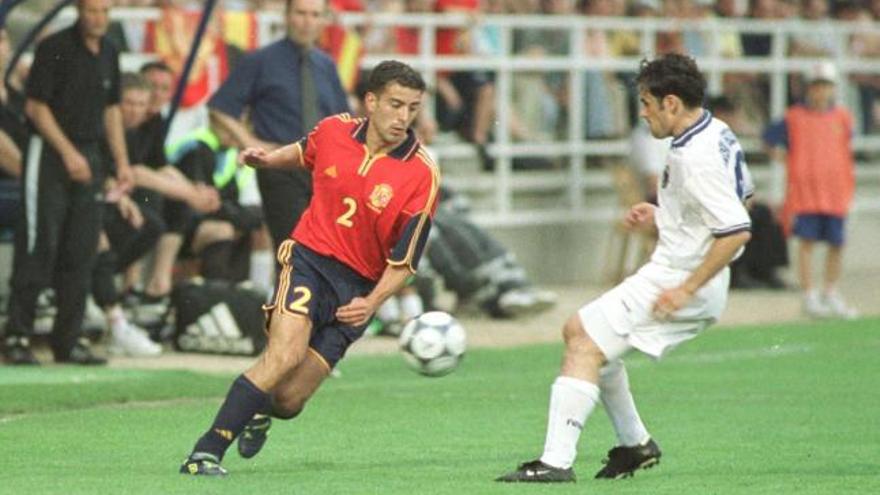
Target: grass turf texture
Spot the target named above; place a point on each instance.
(773, 409)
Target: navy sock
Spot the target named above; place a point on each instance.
(243, 400)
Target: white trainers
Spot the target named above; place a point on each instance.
(815, 305)
(94, 320)
(129, 340)
(837, 307)
(526, 300)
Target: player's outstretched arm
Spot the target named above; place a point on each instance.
(286, 157)
(361, 309)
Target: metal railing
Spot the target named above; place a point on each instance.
(573, 182)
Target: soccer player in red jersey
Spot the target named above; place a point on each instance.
(375, 192)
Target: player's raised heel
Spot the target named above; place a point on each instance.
(538, 472)
(254, 436)
(202, 464)
(623, 462)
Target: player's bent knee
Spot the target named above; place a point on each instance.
(579, 344)
(573, 331)
(286, 413)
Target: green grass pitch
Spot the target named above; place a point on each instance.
(783, 409)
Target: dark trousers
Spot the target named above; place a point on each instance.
(127, 245)
(286, 195)
(767, 249)
(56, 242)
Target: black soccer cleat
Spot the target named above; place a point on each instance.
(81, 354)
(622, 462)
(17, 351)
(538, 472)
(254, 436)
(202, 464)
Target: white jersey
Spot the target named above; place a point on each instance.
(700, 194)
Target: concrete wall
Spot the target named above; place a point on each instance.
(576, 254)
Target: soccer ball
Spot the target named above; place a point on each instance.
(433, 344)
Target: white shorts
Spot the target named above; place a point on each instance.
(621, 319)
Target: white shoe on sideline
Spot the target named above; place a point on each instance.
(129, 340)
(837, 307)
(526, 301)
(815, 305)
(94, 319)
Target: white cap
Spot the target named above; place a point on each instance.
(824, 71)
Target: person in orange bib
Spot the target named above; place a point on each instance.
(814, 140)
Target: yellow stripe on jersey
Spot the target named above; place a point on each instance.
(366, 166)
(362, 167)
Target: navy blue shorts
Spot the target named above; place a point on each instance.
(823, 228)
(313, 285)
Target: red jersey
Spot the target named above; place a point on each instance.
(366, 211)
(821, 168)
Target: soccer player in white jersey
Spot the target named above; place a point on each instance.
(703, 226)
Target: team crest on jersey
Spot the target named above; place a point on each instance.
(665, 177)
(381, 196)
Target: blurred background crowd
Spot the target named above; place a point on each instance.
(155, 38)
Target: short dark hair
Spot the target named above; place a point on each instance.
(133, 80)
(156, 65)
(392, 71)
(673, 74)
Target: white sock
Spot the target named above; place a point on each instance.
(389, 311)
(411, 305)
(619, 404)
(116, 319)
(262, 270)
(571, 402)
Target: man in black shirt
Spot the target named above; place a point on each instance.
(73, 102)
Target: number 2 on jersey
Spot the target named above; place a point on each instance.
(345, 218)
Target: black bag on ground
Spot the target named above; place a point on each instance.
(218, 317)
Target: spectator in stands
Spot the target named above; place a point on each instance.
(865, 44)
(223, 238)
(466, 98)
(145, 136)
(161, 79)
(124, 223)
(534, 112)
(164, 197)
(815, 141)
(380, 40)
(606, 111)
(819, 40)
(751, 91)
(741, 88)
(539, 98)
(73, 102)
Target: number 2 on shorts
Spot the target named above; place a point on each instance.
(302, 296)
